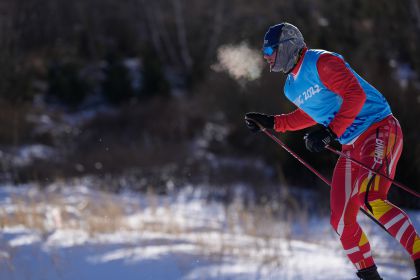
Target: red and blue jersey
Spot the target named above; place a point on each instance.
(329, 92)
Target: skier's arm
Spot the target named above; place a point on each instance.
(339, 79)
(295, 120)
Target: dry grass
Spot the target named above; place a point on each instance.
(48, 211)
(258, 233)
(100, 213)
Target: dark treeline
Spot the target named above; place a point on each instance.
(152, 59)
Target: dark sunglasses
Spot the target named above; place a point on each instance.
(268, 51)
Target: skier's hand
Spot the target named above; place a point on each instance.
(317, 140)
(264, 120)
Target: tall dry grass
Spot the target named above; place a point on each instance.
(260, 233)
(235, 231)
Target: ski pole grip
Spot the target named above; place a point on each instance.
(262, 128)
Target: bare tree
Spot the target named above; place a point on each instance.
(217, 27)
(158, 30)
(182, 34)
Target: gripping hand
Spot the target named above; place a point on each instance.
(264, 120)
(317, 140)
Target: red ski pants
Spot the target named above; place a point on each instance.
(353, 187)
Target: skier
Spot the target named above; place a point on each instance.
(329, 92)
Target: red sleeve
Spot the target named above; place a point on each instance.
(295, 120)
(339, 79)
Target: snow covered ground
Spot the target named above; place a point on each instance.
(74, 232)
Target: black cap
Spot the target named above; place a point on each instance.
(272, 37)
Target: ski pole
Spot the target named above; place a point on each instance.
(278, 141)
(396, 183)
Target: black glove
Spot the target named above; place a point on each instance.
(317, 140)
(266, 121)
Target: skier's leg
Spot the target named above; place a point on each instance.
(381, 150)
(345, 205)
(398, 224)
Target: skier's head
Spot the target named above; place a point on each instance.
(282, 45)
